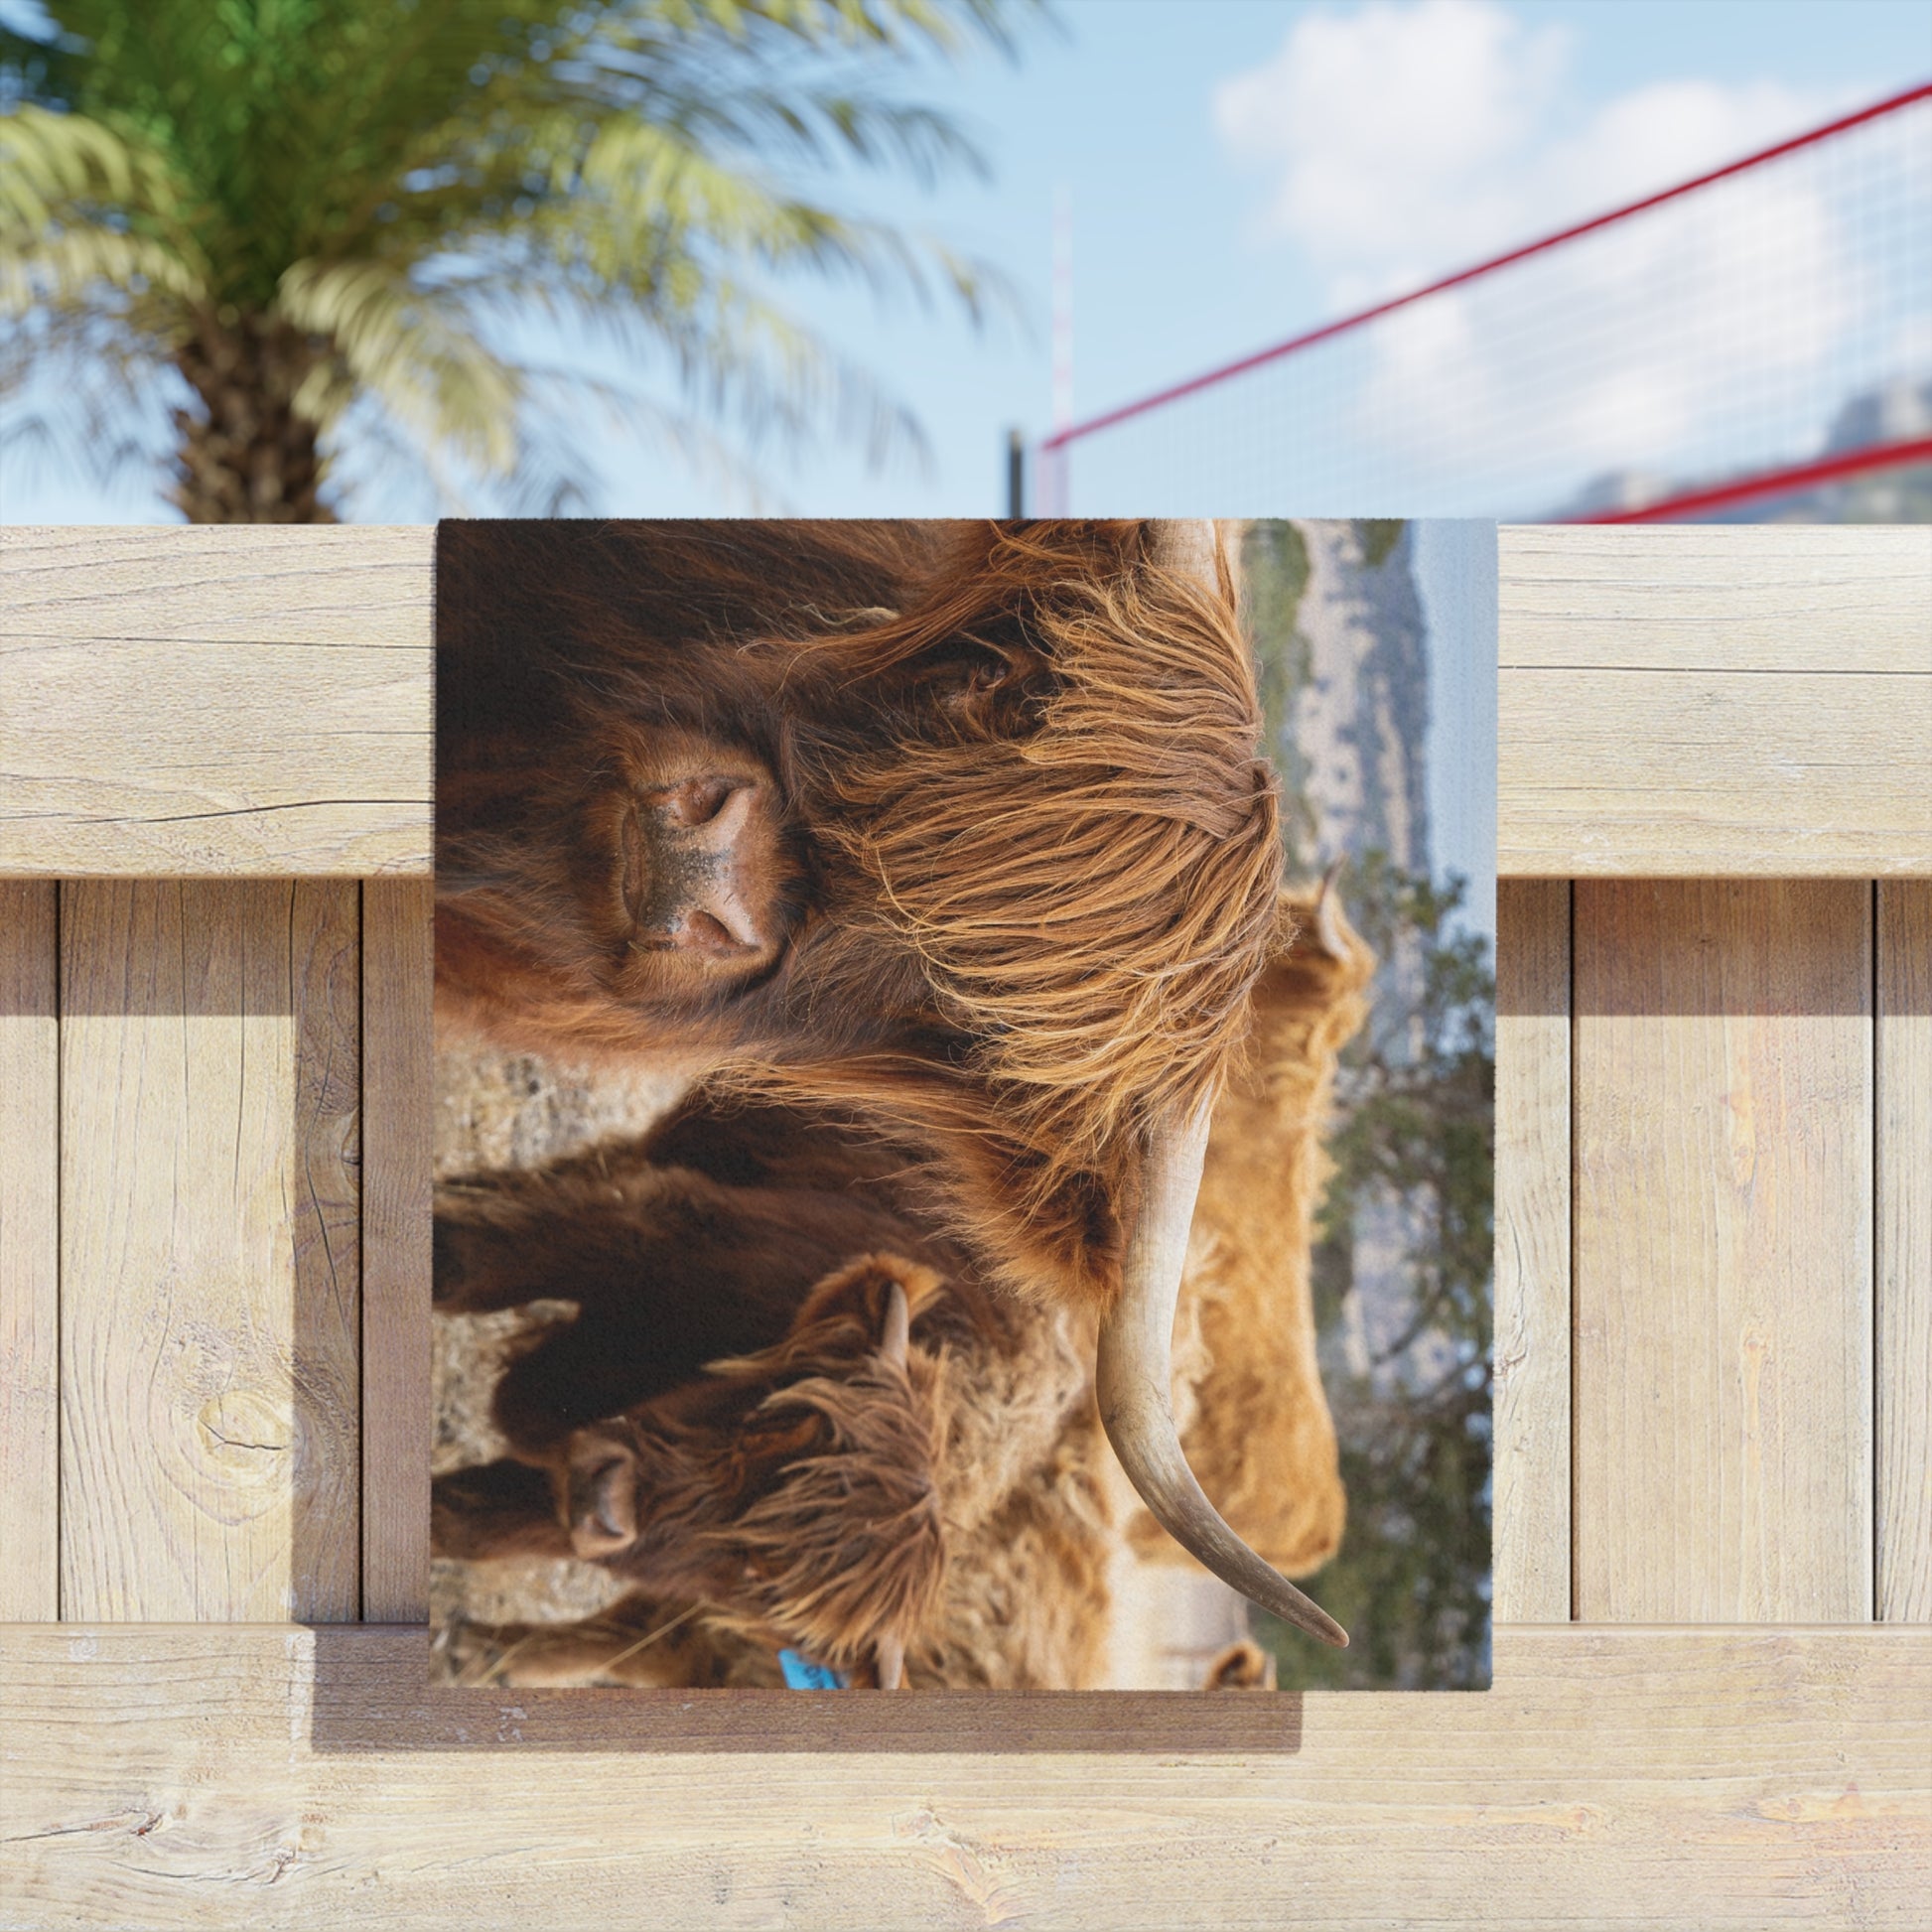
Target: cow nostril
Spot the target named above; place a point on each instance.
(603, 1507)
(697, 930)
(697, 801)
(703, 931)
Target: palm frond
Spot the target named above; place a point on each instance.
(412, 351)
(408, 183)
(50, 162)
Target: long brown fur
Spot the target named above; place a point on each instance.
(1035, 852)
(1020, 1470)
(846, 1548)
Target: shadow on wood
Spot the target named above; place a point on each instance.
(373, 1693)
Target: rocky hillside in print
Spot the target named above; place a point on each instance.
(1402, 1270)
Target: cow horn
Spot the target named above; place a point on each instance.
(898, 1333)
(1328, 913)
(1132, 1381)
(1187, 546)
(1134, 1368)
(888, 1663)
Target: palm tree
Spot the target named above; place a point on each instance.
(333, 221)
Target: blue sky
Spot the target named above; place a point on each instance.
(1165, 124)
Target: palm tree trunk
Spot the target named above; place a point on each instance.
(245, 456)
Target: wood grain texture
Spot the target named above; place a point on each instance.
(1723, 1251)
(287, 1779)
(397, 964)
(1532, 1354)
(215, 701)
(1715, 774)
(30, 1248)
(1701, 701)
(1770, 596)
(1903, 1381)
(1706, 702)
(210, 1276)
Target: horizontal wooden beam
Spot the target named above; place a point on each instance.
(272, 1777)
(192, 701)
(1675, 701)
(1716, 702)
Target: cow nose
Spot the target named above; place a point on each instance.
(701, 865)
(726, 912)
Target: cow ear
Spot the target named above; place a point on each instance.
(874, 1297)
(603, 1498)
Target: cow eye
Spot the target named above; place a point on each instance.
(964, 668)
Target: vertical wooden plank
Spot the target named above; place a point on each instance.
(326, 1229)
(209, 1064)
(1902, 1383)
(1531, 1517)
(1724, 1251)
(397, 965)
(30, 1224)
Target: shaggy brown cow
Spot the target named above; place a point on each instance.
(934, 1497)
(790, 1492)
(754, 1203)
(960, 824)
(959, 828)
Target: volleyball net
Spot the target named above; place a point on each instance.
(1762, 329)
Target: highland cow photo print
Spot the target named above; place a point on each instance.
(964, 1104)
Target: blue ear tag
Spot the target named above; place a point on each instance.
(801, 1674)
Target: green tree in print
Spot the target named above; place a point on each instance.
(1414, 1137)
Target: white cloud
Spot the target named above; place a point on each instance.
(1634, 349)
(1402, 142)
(1392, 131)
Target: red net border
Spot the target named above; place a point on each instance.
(1744, 489)
(1771, 482)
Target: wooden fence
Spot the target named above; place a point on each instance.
(1713, 1442)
